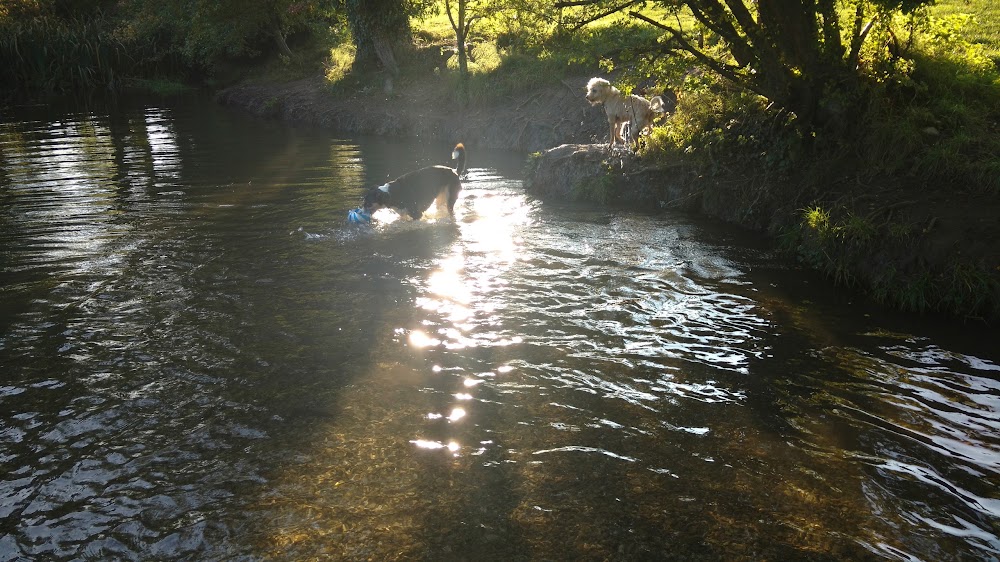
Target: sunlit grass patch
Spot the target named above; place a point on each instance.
(984, 24)
(483, 59)
(817, 218)
(339, 63)
(434, 26)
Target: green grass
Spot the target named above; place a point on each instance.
(45, 55)
(930, 121)
(851, 249)
(985, 27)
(159, 86)
(434, 27)
(496, 73)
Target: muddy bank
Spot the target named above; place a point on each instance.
(909, 246)
(537, 121)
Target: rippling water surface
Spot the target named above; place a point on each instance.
(200, 359)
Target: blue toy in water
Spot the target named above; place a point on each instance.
(358, 216)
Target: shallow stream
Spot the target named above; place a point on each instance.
(201, 360)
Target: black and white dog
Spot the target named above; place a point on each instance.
(412, 193)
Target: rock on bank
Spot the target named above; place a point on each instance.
(589, 172)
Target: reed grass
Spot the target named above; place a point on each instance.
(45, 55)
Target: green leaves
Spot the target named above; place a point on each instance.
(45, 54)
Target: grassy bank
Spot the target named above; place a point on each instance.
(899, 203)
(902, 203)
(897, 198)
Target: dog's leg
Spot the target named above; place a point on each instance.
(453, 198)
(612, 132)
(441, 201)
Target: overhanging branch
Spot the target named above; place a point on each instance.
(604, 14)
(447, 9)
(857, 42)
(727, 71)
(713, 15)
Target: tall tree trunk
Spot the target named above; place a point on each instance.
(461, 27)
(377, 25)
(279, 39)
(463, 55)
(383, 50)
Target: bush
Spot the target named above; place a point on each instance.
(48, 55)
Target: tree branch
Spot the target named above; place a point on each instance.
(447, 9)
(468, 24)
(852, 59)
(859, 18)
(725, 70)
(604, 14)
(714, 16)
(746, 21)
(832, 43)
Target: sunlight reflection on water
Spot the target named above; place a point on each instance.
(203, 360)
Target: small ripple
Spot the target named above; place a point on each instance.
(582, 449)
(930, 477)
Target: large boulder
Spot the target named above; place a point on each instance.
(591, 172)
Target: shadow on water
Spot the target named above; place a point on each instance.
(154, 328)
(202, 359)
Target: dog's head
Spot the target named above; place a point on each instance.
(376, 198)
(598, 90)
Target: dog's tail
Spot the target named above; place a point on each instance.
(458, 155)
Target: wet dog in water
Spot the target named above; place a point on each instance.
(412, 194)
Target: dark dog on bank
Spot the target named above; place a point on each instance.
(412, 193)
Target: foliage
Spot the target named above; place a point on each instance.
(936, 119)
(833, 240)
(24, 9)
(560, 57)
(521, 25)
(795, 53)
(466, 13)
(378, 24)
(339, 62)
(207, 33)
(928, 111)
(45, 54)
(53, 46)
(721, 128)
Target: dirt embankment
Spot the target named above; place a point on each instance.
(537, 121)
(933, 249)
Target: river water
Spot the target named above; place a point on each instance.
(201, 360)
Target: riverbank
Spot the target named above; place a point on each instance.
(903, 243)
(537, 121)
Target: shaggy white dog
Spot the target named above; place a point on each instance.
(635, 111)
